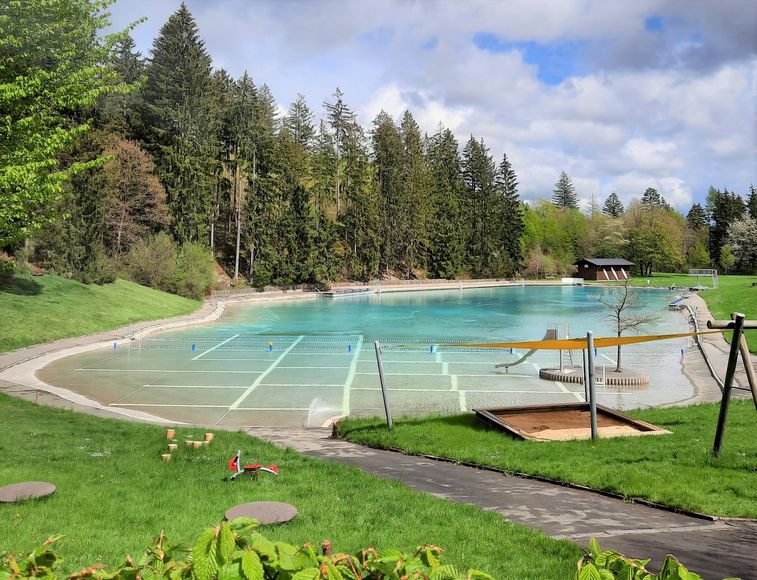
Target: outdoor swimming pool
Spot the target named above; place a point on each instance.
(298, 363)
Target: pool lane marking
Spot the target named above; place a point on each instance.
(519, 391)
(259, 379)
(576, 394)
(461, 400)
(351, 377)
(168, 372)
(212, 348)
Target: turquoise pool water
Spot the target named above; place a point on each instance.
(517, 313)
(295, 363)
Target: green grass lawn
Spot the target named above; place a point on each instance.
(734, 294)
(677, 470)
(44, 308)
(115, 495)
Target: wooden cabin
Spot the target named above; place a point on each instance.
(610, 269)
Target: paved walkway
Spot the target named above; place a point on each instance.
(715, 549)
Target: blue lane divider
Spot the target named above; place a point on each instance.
(194, 347)
(349, 348)
(115, 345)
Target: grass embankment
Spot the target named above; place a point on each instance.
(115, 495)
(676, 470)
(44, 308)
(733, 294)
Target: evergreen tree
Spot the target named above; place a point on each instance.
(415, 209)
(697, 217)
(613, 206)
(511, 216)
(727, 208)
(182, 116)
(387, 159)
(121, 112)
(481, 197)
(564, 194)
(341, 118)
(361, 211)
(652, 198)
(447, 250)
(752, 202)
(299, 122)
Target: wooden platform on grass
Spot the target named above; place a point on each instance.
(563, 422)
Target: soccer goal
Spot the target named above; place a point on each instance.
(706, 275)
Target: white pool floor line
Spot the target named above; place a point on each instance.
(346, 394)
(211, 349)
(235, 405)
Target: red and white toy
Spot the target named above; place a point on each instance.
(235, 464)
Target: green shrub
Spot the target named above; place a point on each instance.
(236, 551)
(152, 262)
(195, 270)
(612, 565)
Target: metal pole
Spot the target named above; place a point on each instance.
(592, 387)
(586, 377)
(728, 383)
(388, 413)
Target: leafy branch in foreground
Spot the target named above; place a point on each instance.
(237, 551)
(612, 565)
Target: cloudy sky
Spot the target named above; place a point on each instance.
(621, 94)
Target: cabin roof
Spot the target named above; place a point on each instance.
(606, 261)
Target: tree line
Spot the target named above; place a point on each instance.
(158, 168)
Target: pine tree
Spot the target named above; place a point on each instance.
(652, 198)
(511, 216)
(564, 194)
(181, 112)
(341, 118)
(613, 206)
(299, 121)
(697, 217)
(727, 208)
(387, 160)
(447, 251)
(415, 202)
(481, 197)
(361, 210)
(752, 202)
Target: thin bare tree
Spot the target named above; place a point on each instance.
(620, 301)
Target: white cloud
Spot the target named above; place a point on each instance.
(672, 109)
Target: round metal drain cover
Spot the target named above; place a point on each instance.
(25, 490)
(266, 512)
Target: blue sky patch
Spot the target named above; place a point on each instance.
(653, 24)
(555, 61)
(430, 44)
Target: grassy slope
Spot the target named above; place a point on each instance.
(45, 308)
(677, 470)
(114, 495)
(734, 293)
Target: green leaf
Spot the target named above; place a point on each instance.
(593, 548)
(204, 563)
(226, 544)
(252, 566)
(263, 546)
(589, 572)
(307, 574)
(478, 575)
(230, 572)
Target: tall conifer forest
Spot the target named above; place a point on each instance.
(168, 166)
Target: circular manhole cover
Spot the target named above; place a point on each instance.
(25, 490)
(266, 512)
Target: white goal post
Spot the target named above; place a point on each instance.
(704, 273)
